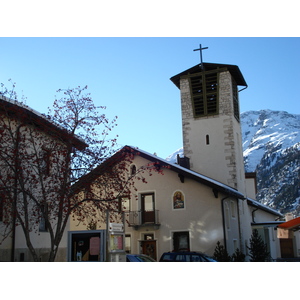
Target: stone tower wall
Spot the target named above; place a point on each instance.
(225, 162)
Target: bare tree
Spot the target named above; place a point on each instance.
(45, 160)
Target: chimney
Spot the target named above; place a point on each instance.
(183, 161)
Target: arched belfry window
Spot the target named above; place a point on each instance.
(204, 90)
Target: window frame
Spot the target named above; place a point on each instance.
(200, 100)
(121, 206)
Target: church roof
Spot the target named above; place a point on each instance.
(212, 183)
(182, 172)
(259, 205)
(233, 69)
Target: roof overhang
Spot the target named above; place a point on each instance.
(26, 114)
(292, 224)
(233, 69)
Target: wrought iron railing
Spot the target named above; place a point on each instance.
(142, 218)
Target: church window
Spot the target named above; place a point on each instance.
(233, 209)
(45, 162)
(204, 89)
(207, 139)
(44, 212)
(133, 170)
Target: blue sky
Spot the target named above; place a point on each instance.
(131, 76)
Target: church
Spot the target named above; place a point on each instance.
(205, 197)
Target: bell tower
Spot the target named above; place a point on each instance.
(212, 136)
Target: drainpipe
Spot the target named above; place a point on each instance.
(243, 88)
(253, 211)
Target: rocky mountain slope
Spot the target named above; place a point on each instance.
(271, 144)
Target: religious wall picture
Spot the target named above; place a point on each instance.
(178, 200)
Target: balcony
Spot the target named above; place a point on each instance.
(138, 219)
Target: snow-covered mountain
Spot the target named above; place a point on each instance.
(271, 147)
(267, 131)
(172, 158)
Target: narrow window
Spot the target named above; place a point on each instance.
(207, 139)
(128, 243)
(132, 170)
(232, 206)
(1, 208)
(44, 212)
(124, 204)
(45, 162)
(235, 244)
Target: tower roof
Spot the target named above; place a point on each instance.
(233, 69)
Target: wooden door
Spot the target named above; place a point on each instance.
(149, 248)
(287, 248)
(148, 208)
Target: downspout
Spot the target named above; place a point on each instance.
(243, 88)
(253, 211)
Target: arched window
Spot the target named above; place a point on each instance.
(133, 170)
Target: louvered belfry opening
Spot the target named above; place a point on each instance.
(204, 89)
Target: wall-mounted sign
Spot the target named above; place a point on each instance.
(116, 242)
(116, 227)
(94, 245)
(284, 233)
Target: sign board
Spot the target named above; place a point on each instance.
(284, 233)
(94, 245)
(116, 242)
(116, 227)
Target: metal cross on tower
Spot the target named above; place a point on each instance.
(200, 49)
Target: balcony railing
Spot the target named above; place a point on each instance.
(143, 218)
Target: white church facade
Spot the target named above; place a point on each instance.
(205, 197)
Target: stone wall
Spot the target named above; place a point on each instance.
(226, 113)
